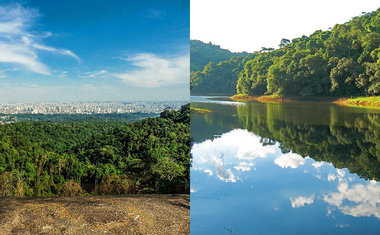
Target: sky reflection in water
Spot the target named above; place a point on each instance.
(242, 183)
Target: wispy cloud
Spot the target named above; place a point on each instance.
(18, 45)
(63, 74)
(94, 74)
(317, 164)
(4, 71)
(155, 14)
(208, 171)
(302, 201)
(56, 50)
(154, 71)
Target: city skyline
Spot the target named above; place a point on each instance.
(89, 107)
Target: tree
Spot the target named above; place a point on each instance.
(284, 42)
(344, 77)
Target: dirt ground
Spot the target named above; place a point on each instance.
(135, 214)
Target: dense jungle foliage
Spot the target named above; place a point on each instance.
(343, 61)
(218, 77)
(73, 158)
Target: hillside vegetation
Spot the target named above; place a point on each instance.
(218, 77)
(214, 70)
(75, 158)
(341, 62)
(203, 53)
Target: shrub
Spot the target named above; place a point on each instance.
(71, 188)
(117, 185)
(11, 184)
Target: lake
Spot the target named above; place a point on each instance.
(291, 168)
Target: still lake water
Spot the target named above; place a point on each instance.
(295, 168)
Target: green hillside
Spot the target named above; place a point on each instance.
(218, 78)
(203, 53)
(116, 157)
(343, 61)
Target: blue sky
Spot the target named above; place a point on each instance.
(94, 50)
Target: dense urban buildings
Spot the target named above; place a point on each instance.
(88, 107)
(11, 112)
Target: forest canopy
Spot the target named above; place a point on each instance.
(72, 158)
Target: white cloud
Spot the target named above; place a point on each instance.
(18, 45)
(340, 173)
(236, 144)
(94, 74)
(23, 55)
(317, 164)
(244, 166)
(56, 50)
(208, 171)
(154, 71)
(329, 211)
(358, 200)
(291, 160)
(340, 176)
(235, 150)
(301, 201)
(331, 177)
(225, 175)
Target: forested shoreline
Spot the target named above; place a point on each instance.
(341, 62)
(351, 139)
(350, 144)
(81, 158)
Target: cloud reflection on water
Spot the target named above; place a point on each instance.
(357, 200)
(237, 151)
(301, 201)
(291, 160)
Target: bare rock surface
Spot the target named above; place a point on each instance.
(132, 214)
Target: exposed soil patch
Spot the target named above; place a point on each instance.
(134, 214)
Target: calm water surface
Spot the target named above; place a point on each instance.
(296, 168)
